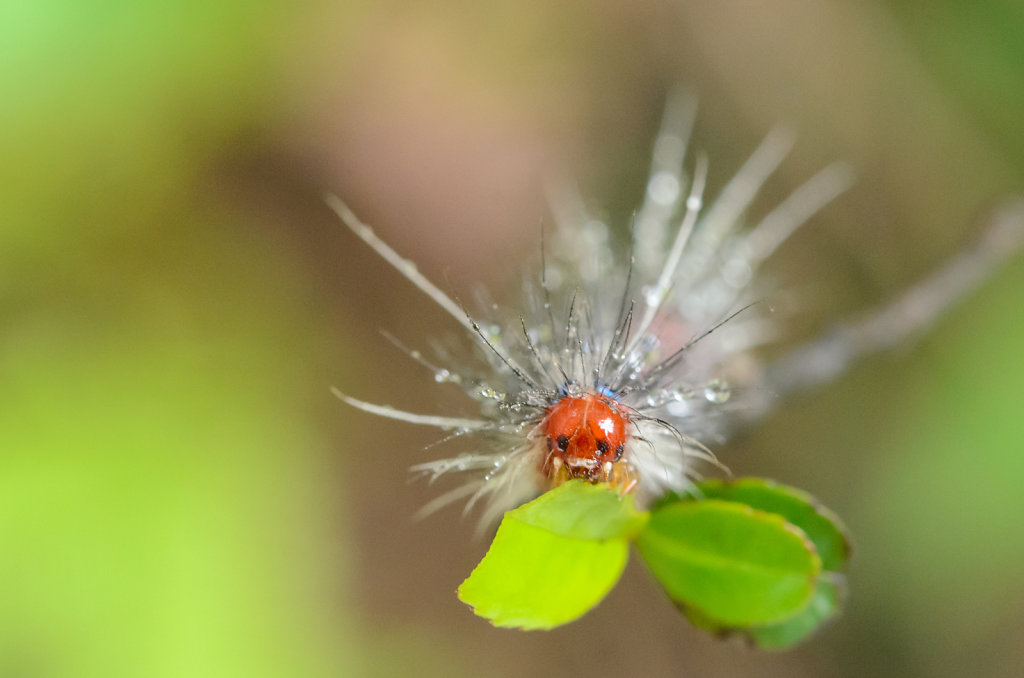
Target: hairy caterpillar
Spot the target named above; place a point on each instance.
(619, 367)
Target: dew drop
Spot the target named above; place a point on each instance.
(553, 278)
(737, 273)
(663, 188)
(653, 295)
(717, 391)
(442, 376)
(678, 408)
(491, 394)
(682, 393)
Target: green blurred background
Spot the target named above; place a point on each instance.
(181, 496)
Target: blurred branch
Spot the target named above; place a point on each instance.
(908, 316)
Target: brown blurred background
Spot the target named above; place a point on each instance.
(181, 496)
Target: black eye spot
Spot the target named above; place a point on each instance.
(618, 452)
(602, 447)
(563, 443)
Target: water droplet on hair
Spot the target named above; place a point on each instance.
(491, 394)
(737, 273)
(717, 391)
(681, 393)
(653, 295)
(678, 408)
(663, 188)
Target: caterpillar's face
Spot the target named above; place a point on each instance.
(586, 437)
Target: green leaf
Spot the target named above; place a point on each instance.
(534, 579)
(554, 558)
(736, 564)
(822, 526)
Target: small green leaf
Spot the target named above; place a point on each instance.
(736, 564)
(554, 558)
(822, 526)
